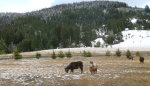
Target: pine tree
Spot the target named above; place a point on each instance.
(3, 46)
(38, 55)
(61, 54)
(118, 53)
(137, 53)
(53, 55)
(16, 54)
(107, 53)
(68, 54)
(147, 9)
(128, 53)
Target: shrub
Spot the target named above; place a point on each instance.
(118, 53)
(128, 53)
(86, 54)
(61, 54)
(38, 55)
(137, 53)
(53, 55)
(107, 53)
(68, 54)
(16, 54)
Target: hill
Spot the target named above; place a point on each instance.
(70, 25)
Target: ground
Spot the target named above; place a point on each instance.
(112, 71)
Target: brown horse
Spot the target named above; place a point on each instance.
(74, 65)
(93, 68)
(141, 59)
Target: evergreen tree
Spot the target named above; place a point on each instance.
(147, 9)
(53, 55)
(61, 54)
(37, 55)
(137, 53)
(118, 53)
(3, 46)
(68, 54)
(16, 54)
(107, 53)
(128, 53)
(24, 45)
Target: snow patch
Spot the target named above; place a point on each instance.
(115, 76)
(133, 20)
(135, 39)
(96, 41)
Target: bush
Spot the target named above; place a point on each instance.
(16, 54)
(53, 55)
(38, 55)
(118, 53)
(107, 53)
(61, 54)
(128, 53)
(86, 54)
(137, 53)
(68, 54)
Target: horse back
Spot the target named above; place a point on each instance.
(76, 65)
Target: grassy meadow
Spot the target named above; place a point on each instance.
(112, 71)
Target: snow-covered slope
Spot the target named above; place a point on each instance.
(135, 39)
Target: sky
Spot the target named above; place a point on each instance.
(22, 6)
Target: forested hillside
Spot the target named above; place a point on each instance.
(70, 25)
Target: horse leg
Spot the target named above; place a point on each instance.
(132, 58)
(91, 72)
(96, 71)
(81, 68)
(72, 70)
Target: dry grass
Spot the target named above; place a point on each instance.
(112, 71)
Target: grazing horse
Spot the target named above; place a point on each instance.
(93, 67)
(130, 57)
(141, 59)
(74, 65)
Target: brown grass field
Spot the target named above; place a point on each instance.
(112, 71)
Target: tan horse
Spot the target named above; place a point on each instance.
(93, 67)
